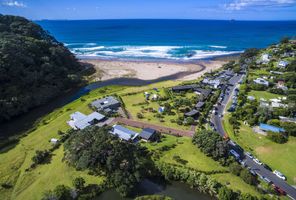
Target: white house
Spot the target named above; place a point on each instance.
(124, 133)
(213, 82)
(81, 121)
(261, 81)
(251, 98)
(265, 58)
(283, 64)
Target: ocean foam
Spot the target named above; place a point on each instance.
(150, 52)
(218, 47)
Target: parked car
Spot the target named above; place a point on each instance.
(279, 190)
(249, 155)
(279, 174)
(257, 161)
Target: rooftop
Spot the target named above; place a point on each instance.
(124, 133)
(267, 127)
(147, 133)
(105, 102)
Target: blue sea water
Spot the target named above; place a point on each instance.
(165, 39)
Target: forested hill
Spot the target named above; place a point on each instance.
(34, 66)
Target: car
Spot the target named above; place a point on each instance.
(257, 161)
(249, 155)
(279, 174)
(279, 190)
(220, 115)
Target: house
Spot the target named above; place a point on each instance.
(54, 141)
(265, 58)
(148, 134)
(193, 113)
(199, 105)
(81, 121)
(264, 104)
(283, 64)
(261, 81)
(147, 95)
(215, 83)
(203, 92)
(124, 133)
(267, 127)
(287, 119)
(281, 85)
(106, 104)
(184, 88)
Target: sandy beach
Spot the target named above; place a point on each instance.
(109, 69)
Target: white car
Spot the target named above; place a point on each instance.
(257, 161)
(249, 155)
(279, 174)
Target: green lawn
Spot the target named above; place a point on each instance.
(132, 101)
(277, 156)
(263, 94)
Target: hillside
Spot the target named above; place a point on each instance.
(34, 66)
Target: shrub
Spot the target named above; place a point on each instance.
(277, 137)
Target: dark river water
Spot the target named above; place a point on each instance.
(175, 190)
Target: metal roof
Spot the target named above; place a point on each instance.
(147, 133)
(267, 127)
(124, 133)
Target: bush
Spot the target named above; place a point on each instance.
(235, 168)
(277, 137)
(41, 157)
(248, 177)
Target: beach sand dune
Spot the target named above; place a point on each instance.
(107, 69)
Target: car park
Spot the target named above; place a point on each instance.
(257, 161)
(279, 174)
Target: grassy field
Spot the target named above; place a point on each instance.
(263, 94)
(14, 162)
(199, 161)
(135, 103)
(277, 156)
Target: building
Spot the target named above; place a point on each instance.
(124, 133)
(287, 119)
(148, 134)
(261, 81)
(267, 127)
(106, 104)
(193, 113)
(215, 83)
(283, 64)
(184, 88)
(161, 109)
(265, 58)
(200, 105)
(203, 92)
(81, 121)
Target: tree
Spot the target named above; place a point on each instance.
(235, 168)
(285, 40)
(225, 194)
(62, 192)
(95, 149)
(34, 67)
(78, 183)
(248, 177)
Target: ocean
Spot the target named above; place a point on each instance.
(182, 40)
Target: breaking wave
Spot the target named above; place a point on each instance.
(149, 52)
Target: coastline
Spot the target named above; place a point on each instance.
(107, 69)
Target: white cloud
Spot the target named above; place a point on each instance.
(243, 4)
(14, 4)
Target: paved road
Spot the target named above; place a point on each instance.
(161, 129)
(259, 169)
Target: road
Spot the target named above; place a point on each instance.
(260, 170)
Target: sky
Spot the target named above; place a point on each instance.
(151, 9)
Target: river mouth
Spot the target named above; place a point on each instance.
(175, 190)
